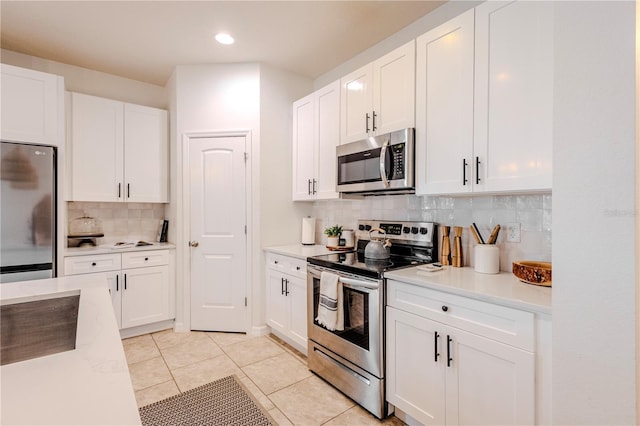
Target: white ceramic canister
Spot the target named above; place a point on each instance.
(487, 259)
(349, 237)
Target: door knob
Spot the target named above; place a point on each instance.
(194, 243)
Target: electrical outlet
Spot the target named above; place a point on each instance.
(513, 232)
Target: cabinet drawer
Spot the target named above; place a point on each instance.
(140, 259)
(287, 264)
(500, 323)
(87, 264)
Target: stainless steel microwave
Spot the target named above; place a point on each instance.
(377, 165)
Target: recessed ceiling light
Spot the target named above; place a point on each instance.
(224, 38)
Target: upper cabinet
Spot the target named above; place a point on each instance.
(117, 151)
(484, 101)
(379, 97)
(315, 136)
(32, 106)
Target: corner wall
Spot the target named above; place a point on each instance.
(594, 190)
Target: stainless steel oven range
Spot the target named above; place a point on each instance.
(352, 359)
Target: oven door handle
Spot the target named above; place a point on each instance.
(383, 158)
(359, 283)
(351, 282)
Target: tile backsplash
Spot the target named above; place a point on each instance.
(121, 221)
(532, 212)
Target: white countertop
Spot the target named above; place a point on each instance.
(109, 249)
(298, 250)
(89, 385)
(503, 288)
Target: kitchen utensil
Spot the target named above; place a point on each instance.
(476, 236)
(477, 231)
(457, 259)
(532, 272)
(377, 248)
(494, 235)
(445, 256)
(486, 259)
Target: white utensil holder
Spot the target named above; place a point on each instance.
(487, 259)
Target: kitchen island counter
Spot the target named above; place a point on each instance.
(89, 385)
(502, 289)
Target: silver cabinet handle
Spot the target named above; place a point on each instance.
(194, 243)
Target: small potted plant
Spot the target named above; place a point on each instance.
(333, 235)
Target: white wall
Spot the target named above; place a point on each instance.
(594, 293)
(83, 80)
(212, 98)
(280, 217)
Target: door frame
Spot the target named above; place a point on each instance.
(184, 236)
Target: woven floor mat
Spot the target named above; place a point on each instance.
(222, 402)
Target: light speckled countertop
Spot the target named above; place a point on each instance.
(299, 251)
(89, 385)
(109, 249)
(502, 289)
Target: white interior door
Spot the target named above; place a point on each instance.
(218, 234)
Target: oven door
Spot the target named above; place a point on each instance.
(361, 340)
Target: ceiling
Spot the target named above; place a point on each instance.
(145, 40)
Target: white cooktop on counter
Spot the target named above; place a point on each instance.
(89, 385)
(503, 288)
(298, 250)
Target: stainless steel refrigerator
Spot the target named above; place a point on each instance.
(27, 212)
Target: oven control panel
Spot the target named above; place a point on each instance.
(418, 232)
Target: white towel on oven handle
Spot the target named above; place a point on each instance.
(330, 304)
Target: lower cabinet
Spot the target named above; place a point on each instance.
(140, 283)
(452, 360)
(287, 299)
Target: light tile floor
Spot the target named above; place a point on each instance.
(166, 363)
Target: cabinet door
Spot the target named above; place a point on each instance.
(327, 125)
(356, 105)
(489, 383)
(297, 301)
(145, 154)
(277, 316)
(303, 149)
(114, 282)
(394, 90)
(514, 95)
(96, 149)
(415, 380)
(444, 107)
(145, 296)
(31, 106)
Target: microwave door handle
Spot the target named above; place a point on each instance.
(383, 157)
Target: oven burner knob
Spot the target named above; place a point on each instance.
(361, 227)
(406, 229)
(367, 227)
(423, 231)
(414, 230)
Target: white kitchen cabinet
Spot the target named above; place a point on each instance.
(453, 360)
(315, 136)
(32, 106)
(484, 84)
(140, 283)
(117, 151)
(287, 299)
(379, 97)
